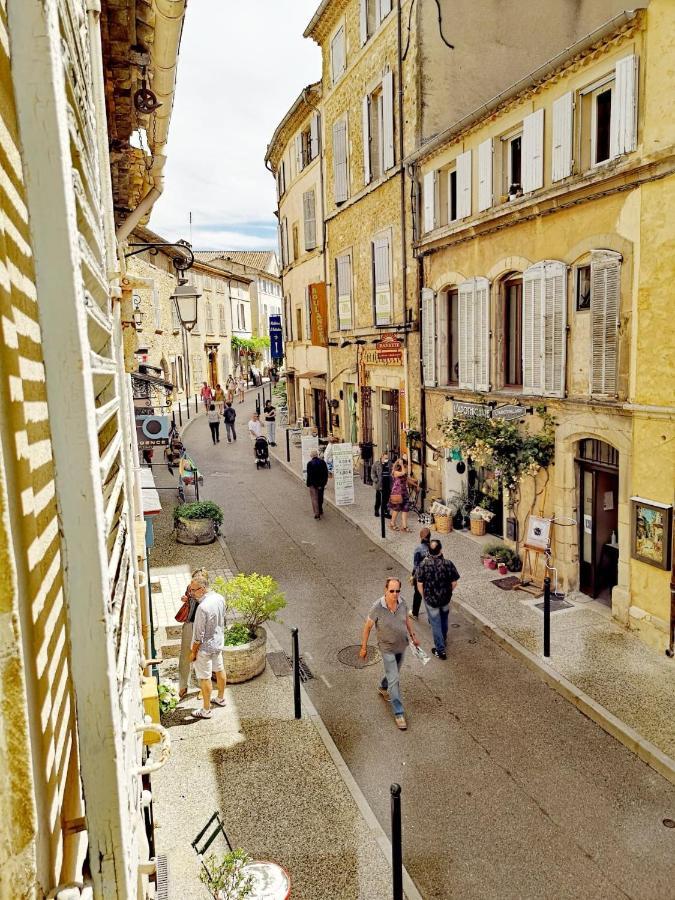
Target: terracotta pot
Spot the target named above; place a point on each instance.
(195, 531)
(245, 661)
(487, 561)
(503, 568)
(492, 564)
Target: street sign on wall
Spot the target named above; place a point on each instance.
(276, 338)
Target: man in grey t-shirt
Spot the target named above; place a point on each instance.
(393, 627)
(208, 640)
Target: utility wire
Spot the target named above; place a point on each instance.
(440, 28)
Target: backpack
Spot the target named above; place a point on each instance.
(230, 414)
(442, 586)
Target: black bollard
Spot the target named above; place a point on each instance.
(396, 842)
(296, 674)
(547, 616)
(383, 524)
(196, 409)
(173, 418)
(180, 416)
(288, 444)
(257, 403)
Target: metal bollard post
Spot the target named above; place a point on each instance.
(547, 616)
(196, 410)
(257, 403)
(288, 444)
(180, 416)
(173, 417)
(396, 842)
(296, 674)
(383, 526)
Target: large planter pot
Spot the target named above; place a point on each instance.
(195, 531)
(245, 661)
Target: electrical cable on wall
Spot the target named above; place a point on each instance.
(440, 28)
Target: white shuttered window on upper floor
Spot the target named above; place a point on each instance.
(605, 302)
(464, 185)
(429, 336)
(337, 54)
(485, 175)
(545, 328)
(381, 250)
(429, 200)
(340, 163)
(343, 279)
(314, 136)
(563, 131)
(309, 214)
(623, 123)
(533, 151)
(474, 334)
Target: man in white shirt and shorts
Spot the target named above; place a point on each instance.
(208, 640)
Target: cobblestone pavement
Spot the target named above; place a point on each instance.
(508, 791)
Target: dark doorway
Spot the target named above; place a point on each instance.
(320, 411)
(390, 428)
(598, 528)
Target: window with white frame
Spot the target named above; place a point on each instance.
(485, 166)
(446, 193)
(512, 154)
(474, 334)
(343, 282)
(309, 213)
(242, 317)
(440, 336)
(605, 306)
(222, 323)
(381, 266)
(609, 115)
(378, 129)
(307, 143)
(220, 285)
(338, 58)
(371, 15)
(208, 314)
(544, 328)
(340, 161)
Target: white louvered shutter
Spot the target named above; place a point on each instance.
(385, 8)
(308, 315)
(343, 267)
(363, 21)
(623, 124)
(463, 185)
(382, 279)
(442, 339)
(299, 160)
(533, 151)
(466, 293)
(481, 334)
(309, 211)
(429, 336)
(605, 302)
(284, 234)
(555, 328)
(533, 279)
(365, 118)
(388, 119)
(340, 160)
(429, 192)
(337, 48)
(314, 144)
(485, 175)
(563, 121)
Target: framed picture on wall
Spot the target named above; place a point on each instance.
(651, 532)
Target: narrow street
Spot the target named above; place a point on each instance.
(507, 788)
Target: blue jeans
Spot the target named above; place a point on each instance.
(391, 681)
(438, 619)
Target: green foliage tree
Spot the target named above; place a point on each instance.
(256, 598)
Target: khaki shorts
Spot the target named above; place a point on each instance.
(207, 663)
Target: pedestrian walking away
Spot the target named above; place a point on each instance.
(208, 641)
(219, 398)
(206, 394)
(420, 553)
(187, 617)
(213, 418)
(317, 478)
(271, 422)
(382, 483)
(241, 389)
(393, 628)
(398, 498)
(437, 578)
(230, 416)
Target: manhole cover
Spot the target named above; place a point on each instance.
(349, 656)
(556, 605)
(454, 625)
(669, 823)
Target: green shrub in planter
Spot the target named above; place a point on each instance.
(227, 879)
(236, 635)
(202, 509)
(256, 598)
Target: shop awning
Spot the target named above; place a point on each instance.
(151, 503)
(310, 374)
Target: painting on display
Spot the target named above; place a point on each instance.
(651, 528)
(538, 533)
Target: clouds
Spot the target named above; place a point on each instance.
(242, 64)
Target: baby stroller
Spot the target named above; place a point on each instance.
(262, 453)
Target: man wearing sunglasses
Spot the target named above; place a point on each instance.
(393, 627)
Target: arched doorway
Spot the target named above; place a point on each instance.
(598, 465)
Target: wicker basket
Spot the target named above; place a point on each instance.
(443, 524)
(477, 526)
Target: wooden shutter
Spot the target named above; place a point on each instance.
(466, 334)
(314, 144)
(309, 211)
(365, 118)
(481, 334)
(337, 54)
(284, 234)
(299, 158)
(382, 280)
(429, 336)
(485, 175)
(363, 21)
(385, 8)
(605, 302)
(388, 119)
(429, 192)
(340, 160)
(554, 328)
(463, 185)
(343, 277)
(442, 338)
(563, 120)
(532, 320)
(623, 124)
(533, 151)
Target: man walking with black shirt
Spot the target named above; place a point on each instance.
(436, 580)
(317, 478)
(420, 553)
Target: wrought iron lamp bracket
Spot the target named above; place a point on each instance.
(180, 265)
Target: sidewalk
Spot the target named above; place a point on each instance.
(607, 672)
(283, 791)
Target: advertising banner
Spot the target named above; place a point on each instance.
(152, 431)
(343, 474)
(276, 338)
(318, 314)
(307, 443)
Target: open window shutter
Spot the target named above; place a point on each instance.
(385, 8)
(338, 54)
(561, 156)
(298, 153)
(388, 119)
(314, 136)
(344, 292)
(481, 334)
(555, 328)
(429, 191)
(463, 185)
(363, 21)
(367, 175)
(532, 331)
(340, 160)
(623, 124)
(382, 279)
(285, 237)
(442, 339)
(309, 210)
(533, 151)
(605, 299)
(429, 337)
(466, 334)
(485, 175)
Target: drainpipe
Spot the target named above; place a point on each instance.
(404, 257)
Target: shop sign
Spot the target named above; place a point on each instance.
(369, 357)
(318, 314)
(343, 474)
(276, 338)
(152, 431)
(510, 411)
(389, 347)
(462, 410)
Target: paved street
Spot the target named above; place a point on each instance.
(508, 791)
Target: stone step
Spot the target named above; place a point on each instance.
(173, 632)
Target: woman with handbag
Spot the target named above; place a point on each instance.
(398, 499)
(186, 616)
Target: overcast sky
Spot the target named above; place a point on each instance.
(242, 64)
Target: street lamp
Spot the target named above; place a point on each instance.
(185, 297)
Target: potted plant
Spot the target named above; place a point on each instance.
(167, 696)
(255, 599)
(495, 555)
(198, 522)
(227, 879)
